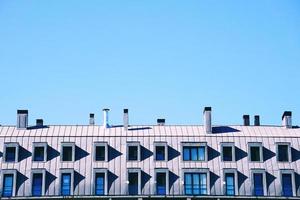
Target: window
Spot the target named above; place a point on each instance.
(228, 152)
(40, 152)
(11, 151)
(194, 152)
(287, 183)
(195, 183)
(9, 180)
(37, 184)
(162, 181)
(283, 152)
(66, 182)
(133, 152)
(68, 152)
(229, 184)
(161, 151)
(99, 183)
(258, 184)
(255, 150)
(134, 185)
(101, 152)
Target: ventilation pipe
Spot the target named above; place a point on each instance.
(246, 119)
(207, 119)
(22, 119)
(161, 122)
(92, 119)
(105, 118)
(256, 120)
(287, 119)
(125, 119)
(39, 122)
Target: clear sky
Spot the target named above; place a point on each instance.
(62, 60)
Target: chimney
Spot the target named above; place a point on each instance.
(39, 122)
(207, 119)
(22, 119)
(161, 122)
(92, 119)
(256, 120)
(246, 120)
(287, 119)
(105, 118)
(125, 119)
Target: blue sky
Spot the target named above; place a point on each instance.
(62, 60)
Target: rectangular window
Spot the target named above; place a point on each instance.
(287, 185)
(67, 153)
(10, 154)
(161, 181)
(100, 183)
(66, 184)
(39, 153)
(133, 153)
(227, 153)
(229, 184)
(283, 152)
(195, 183)
(194, 153)
(255, 153)
(160, 153)
(8, 184)
(133, 183)
(37, 184)
(258, 184)
(100, 153)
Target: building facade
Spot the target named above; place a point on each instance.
(150, 162)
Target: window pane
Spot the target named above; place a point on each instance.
(67, 153)
(132, 153)
(39, 154)
(99, 185)
(37, 183)
(8, 182)
(133, 186)
(194, 153)
(287, 189)
(161, 183)
(203, 183)
(258, 184)
(160, 153)
(100, 153)
(188, 183)
(283, 154)
(230, 186)
(255, 153)
(66, 184)
(186, 153)
(196, 184)
(227, 154)
(10, 154)
(201, 153)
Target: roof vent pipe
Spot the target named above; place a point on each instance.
(39, 122)
(105, 118)
(92, 119)
(246, 120)
(125, 119)
(256, 120)
(287, 119)
(22, 119)
(161, 122)
(207, 119)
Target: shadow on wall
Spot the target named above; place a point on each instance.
(241, 179)
(23, 153)
(297, 181)
(172, 153)
(267, 154)
(51, 153)
(172, 179)
(213, 178)
(113, 153)
(49, 179)
(77, 178)
(111, 178)
(224, 129)
(145, 178)
(145, 153)
(80, 153)
(36, 127)
(212, 153)
(240, 154)
(139, 129)
(269, 178)
(20, 180)
(295, 154)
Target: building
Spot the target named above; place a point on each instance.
(150, 162)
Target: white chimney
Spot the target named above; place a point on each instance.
(207, 119)
(105, 118)
(287, 119)
(126, 119)
(92, 119)
(22, 119)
